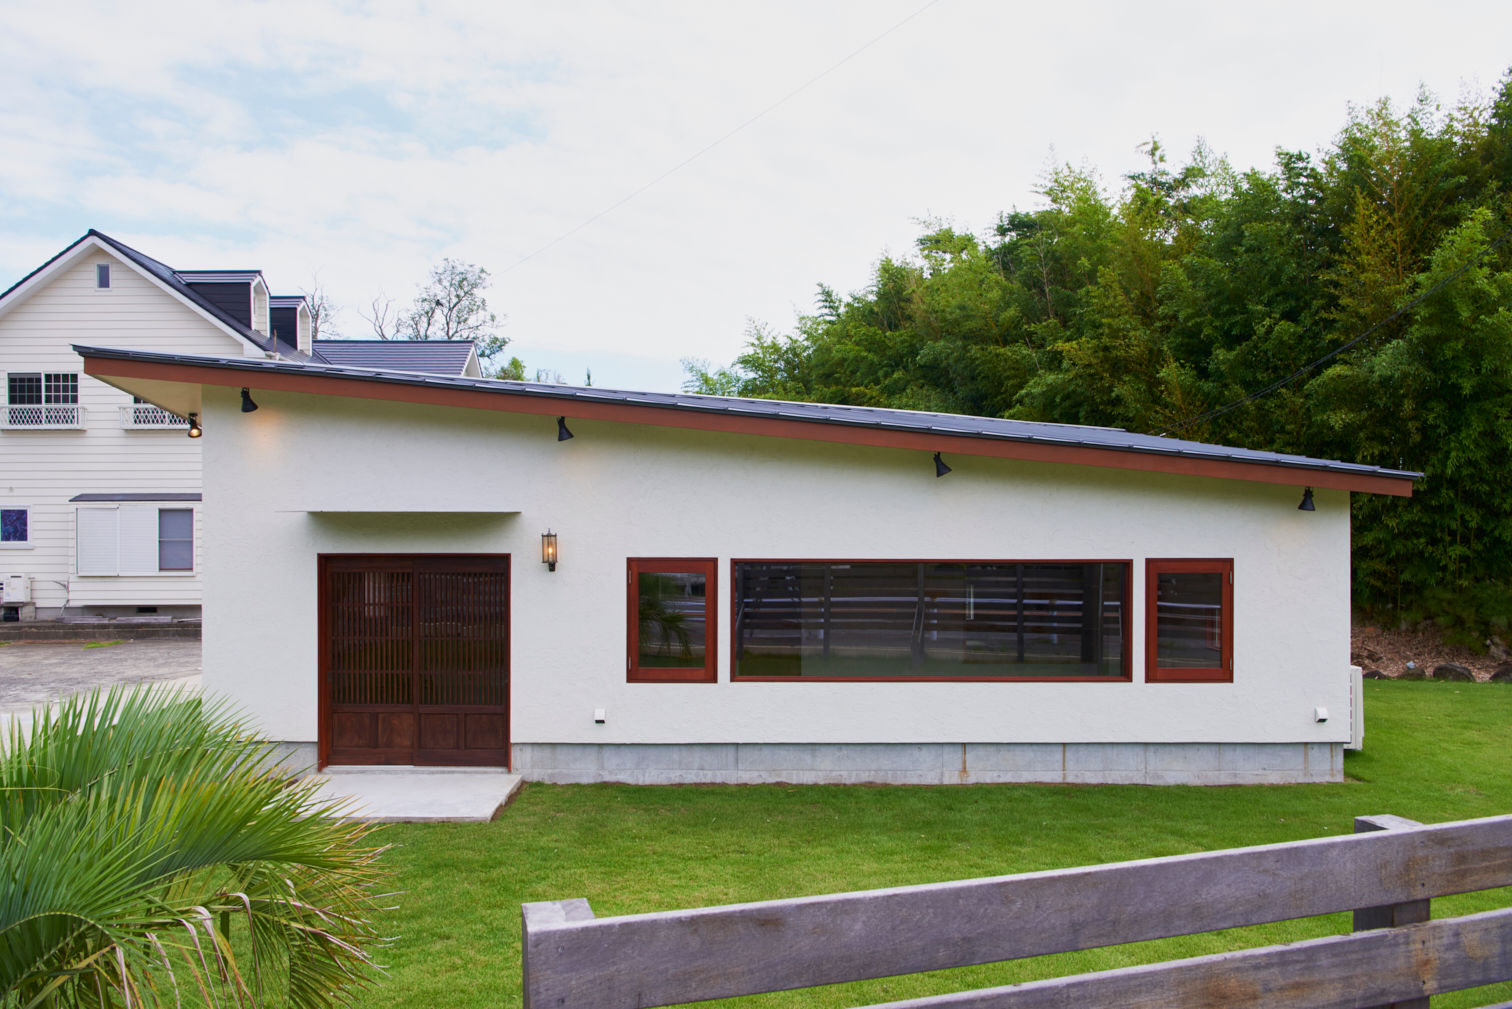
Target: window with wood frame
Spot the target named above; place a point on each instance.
(930, 620)
(671, 620)
(1189, 621)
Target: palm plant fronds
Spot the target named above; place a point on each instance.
(150, 851)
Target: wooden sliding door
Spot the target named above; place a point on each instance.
(414, 659)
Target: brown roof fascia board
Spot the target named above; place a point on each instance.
(659, 416)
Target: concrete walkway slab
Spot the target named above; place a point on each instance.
(404, 794)
(36, 673)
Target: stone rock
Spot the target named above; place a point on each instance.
(1374, 674)
(1412, 672)
(1502, 673)
(1453, 671)
(1370, 656)
(1497, 649)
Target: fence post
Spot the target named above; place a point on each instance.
(1389, 915)
(535, 919)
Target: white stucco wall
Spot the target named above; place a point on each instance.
(619, 491)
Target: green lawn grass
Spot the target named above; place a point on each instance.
(1434, 752)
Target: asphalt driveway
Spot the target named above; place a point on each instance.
(35, 672)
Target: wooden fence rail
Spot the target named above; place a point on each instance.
(1386, 873)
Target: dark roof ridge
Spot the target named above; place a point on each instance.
(169, 276)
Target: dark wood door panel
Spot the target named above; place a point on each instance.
(485, 732)
(414, 659)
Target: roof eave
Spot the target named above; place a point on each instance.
(551, 401)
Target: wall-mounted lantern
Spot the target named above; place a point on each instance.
(549, 550)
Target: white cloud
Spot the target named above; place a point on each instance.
(366, 141)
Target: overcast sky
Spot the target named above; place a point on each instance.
(361, 142)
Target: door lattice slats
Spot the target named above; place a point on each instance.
(415, 659)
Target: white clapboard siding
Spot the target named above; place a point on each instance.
(44, 469)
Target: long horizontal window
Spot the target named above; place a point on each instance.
(867, 620)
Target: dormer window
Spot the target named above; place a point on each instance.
(102, 276)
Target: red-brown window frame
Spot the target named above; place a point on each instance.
(1154, 567)
(1127, 643)
(706, 566)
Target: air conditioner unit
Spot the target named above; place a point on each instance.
(15, 589)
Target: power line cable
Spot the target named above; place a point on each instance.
(1245, 400)
(715, 143)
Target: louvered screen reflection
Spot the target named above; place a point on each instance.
(415, 657)
(883, 619)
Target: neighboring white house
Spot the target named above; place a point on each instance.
(100, 495)
(586, 584)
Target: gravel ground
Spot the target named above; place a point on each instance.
(1389, 651)
(33, 673)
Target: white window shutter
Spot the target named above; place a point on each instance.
(98, 537)
(139, 540)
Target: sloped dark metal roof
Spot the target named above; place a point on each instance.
(912, 421)
(427, 357)
(285, 300)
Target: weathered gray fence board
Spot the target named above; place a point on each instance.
(1339, 972)
(687, 955)
(1391, 915)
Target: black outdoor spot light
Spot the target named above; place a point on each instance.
(549, 550)
(562, 433)
(248, 404)
(194, 428)
(940, 468)
(1306, 505)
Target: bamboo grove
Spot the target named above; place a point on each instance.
(1354, 304)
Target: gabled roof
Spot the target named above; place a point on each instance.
(171, 280)
(176, 380)
(427, 357)
(285, 300)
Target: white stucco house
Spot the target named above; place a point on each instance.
(584, 584)
(100, 495)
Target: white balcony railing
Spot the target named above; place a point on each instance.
(139, 416)
(42, 416)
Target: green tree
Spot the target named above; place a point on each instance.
(1266, 309)
(452, 305)
(146, 857)
(1439, 400)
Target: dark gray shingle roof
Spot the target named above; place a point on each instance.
(427, 357)
(173, 279)
(958, 425)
